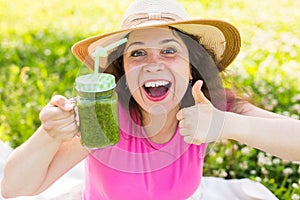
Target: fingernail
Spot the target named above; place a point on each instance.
(68, 106)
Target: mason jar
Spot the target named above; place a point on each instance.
(97, 105)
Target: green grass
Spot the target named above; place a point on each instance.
(36, 62)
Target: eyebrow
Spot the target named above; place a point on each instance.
(169, 40)
(162, 42)
(134, 43)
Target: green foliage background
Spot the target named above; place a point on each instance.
(36, 62)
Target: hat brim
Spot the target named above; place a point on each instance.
(219, 36)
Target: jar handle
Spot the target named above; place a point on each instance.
(75, 110)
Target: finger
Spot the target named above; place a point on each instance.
(61, 102)
(192, 140)
(198, 95)
(58, 124)
(65, 120)
(63, 135)
(181, 114)
(70, 128)
(184, 123)
(184, 131)
(51, 112)
(188, 139)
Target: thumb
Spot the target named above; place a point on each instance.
(198, 94)
(61, 102)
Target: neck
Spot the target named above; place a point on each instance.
(160, 128)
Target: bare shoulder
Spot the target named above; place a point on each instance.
(248, 109)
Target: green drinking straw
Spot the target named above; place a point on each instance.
(102, 52)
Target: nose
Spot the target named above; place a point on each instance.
(153, 67)
(153, 62)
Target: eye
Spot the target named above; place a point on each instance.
(169, 50)
(137, 53)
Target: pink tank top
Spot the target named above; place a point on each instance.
(136, 168)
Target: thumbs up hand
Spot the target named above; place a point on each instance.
(201, 123)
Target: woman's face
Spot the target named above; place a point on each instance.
(157, 69)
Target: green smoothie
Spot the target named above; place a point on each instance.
(98, 122)
(97, 105)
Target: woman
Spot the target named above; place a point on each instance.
(171, 105)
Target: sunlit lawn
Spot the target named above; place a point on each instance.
(36, 62)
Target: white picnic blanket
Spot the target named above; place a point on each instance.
(69, 186)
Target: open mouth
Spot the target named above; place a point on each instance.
(157, 90)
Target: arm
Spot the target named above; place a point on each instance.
(48, 154)
(264, 130)
(267, 131)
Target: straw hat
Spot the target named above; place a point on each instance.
(220, 37)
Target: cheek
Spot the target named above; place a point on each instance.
(183, 72)
(181, 85)
(132, 74)
(182, 77)
(183, 66)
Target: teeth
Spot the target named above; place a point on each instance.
(156, 83)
